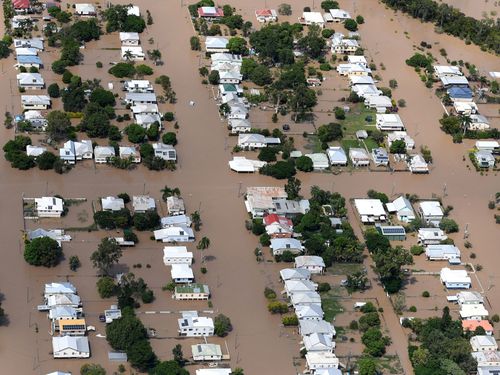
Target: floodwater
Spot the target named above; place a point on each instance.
(476, 8)
(257, 344)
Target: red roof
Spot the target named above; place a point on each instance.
(263, 13)
(21, 4)
(471, 325)
(210, 12)
(275, 218)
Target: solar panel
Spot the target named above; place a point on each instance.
(393, 230)
(72, 327)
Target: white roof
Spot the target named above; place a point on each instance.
(361, 80)
(143, 202)
(369, 207)
(468, 311)
(454, 80)
(133, 10)
(206, 350)
(129, 36)
(308, 327)
(35, 99)
(112, 203)
(431, 233)
(321, 360)
(439, 251)
(309, 260)
(30, 78)
(306, 298)
(127, 151)
(84, 8)
(22, 51)
(104, 152)
(483, 340)
(313, 17)
(486, 144)
(282, 243)
(355, 59)
(177, 251)
(193, 321)
(173, 231)
(294, 286)
(473, 297)
(319, 159)
(35, 150)
(134, 50)
(318, 342)
(59, 373)
(216, 42)
(168, 221)
(59, 288)
(339, 13)
(181, 271)
(401, 204)
(442, 70)
(309, 311)
(358, 154)
(242, 164)
(336, 155)
(295, 274)
(379, 101)
(454, 276)
(431, 208)
(214, 371)
(78, 344)
(49, 203)
(392, 119)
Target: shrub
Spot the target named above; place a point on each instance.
(351, 25)
(448, 225)
(98, 64)
(265, 239)
(106, 287)
(268, 154)
(412, 309)
(360, 19)
(169, 138)
(368, 308)
(53, 90)
(417, 250)
(304, 164)
(46, 160)
(327, 33)
(269, 293)
(324, 287)
(143, 70)
(285, 9)
(58, 67)
(290, 320)
(169, 116)
(426, 294)
(369, 320)
(222, 325)
(122, 70)
(277, 307)
(495, 318)
(339, 113)
(354, 325)
(74, 262)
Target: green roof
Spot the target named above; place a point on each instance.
(229, 87)
(192, 288)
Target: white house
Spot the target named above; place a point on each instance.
(138, 85)
(206, 352)
(417, 164)
(266, 15)
(442, 252)
(359, 157)
(469, 298)
(431, 236)
(192, 325)
(389, 122)
(214, 371)
(70, 347)
(56, 288)
(380, 156)
(305, 299)
(355, 59)
(241, 164)
(129, 152)
(177, 255)
(112, 204)
(239, 125)
(484, 159)
(488, 360)
(364, 91)
(49, 206)
(182, 273)
(478, 122)
(295, 274)
(134, 98)
(313, 263)
(431, 212)
(85, 10)
(71, 300)
(102, 154)
(317, 361)
(64, 312)
(177, 233)
(473, 312)
(403, 209)
(380, 103)
(455, 279)
(132, 53)
(169, 221)
(318, 342)
(401, 136)
(487, 145)
(166, 152)
(279, 245)
(320, 161)
(312, 18)
(465, 108)
(216, 44)
(35, 151)
(230, 76)
(483, 343)
(309, 313)
(36, 43)
(336, 155)
(143, 203)
(340, 44)
(73, 151)
(449, 81)
(299, 286)
(35, 102)
(353, 70)
(370, 210)
(175, 206)
(56, 234)
(30, 81)
(447, 71)
(26, 51)
(36, 119)
(191, 292)
(361, 81)
(129, 39)
(339, 15)
(256, 141)
(309, 327)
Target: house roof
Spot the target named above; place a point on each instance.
(173, 231)
(21, 4)
(451, 251)
(265, 13)
(313, 17)
(181, 271)
(143, 203)
(319, 159)
(318, 342)
(285, 243)
(471, 310)
(59, 288)
(295, 274)
(471, 325)
(214, 371)
(78, 344)
(454, 276)
(459, 92)
(112, 203)
(336, 155)
(465, 297)
(318, 360)
(192, 288)
(454, 80)
(308, 261)
(306, 298)
(400, 204)
(127, 151)
(206, 350)
(358, 154)
(483, 340)
(58, 312)
(29, 59)
(308, 327)
(294, 286)
(261, 197)
(447, 70)
(175, 204)
(379, 101)
(309, 311)
(339, 13)
(49, 203)
(216, 42)
(35, 150)
(35, 100)
(140, 97)
(431, 233)
(168, 221)
(431, 208)
(210, 12)
(369, 207)
(24, 51)
(275, 218)
(104, 151)
(177, 251)
(242, 164)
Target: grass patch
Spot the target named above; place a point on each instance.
(355, 119)
(313, 144)
(350, 143)
(344, 269)
(389, 363)
(331, 306)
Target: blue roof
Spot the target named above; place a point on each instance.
(24, 59)
(459, 92)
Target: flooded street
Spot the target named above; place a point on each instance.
(257, 344)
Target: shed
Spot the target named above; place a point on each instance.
(392, 232)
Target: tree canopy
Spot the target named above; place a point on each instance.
(43, 251)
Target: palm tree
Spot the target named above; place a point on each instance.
(466, 122)
(169, 192)
(128, 55)
(196, 219)
(203, 244)
(155, 55)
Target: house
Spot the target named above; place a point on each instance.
(241, 164)
(230, 77)
(21, 6)
(314, 264)
(447, 71)
(484, 159)
(290, 208)
(370, 210)
(222, 58)
(149, 109)
(112, 313)
(319, 361)
(469, 298)
(71, 300)
(305, 299)
(260, 200)
(340, 44)
(28, 61)
(63, 312)
(431, 212)
(450, 81)
(392, 232)
(133, 10)
(308, 327)
(460, 94)
(359, 157)
(175, 206)
(472, 325)
(49, 206)
(492, 146)
(380, 156)
(401, 136)
(417, 164)
(359, 60)
(210, 13)
(23, 23)
(295, 274)
(478, 122)
(129, 39)
(431, 236)
(239, 126)
(279, 245)
(299, 286)
(312, 18)
(215, 44)
(442, 252)
(85, 10)
(26, 51)
(177, 255)
(206, 352)
(309, 312)
(35, 151)
(403, 209)
(455, 279)
(336, 155)
(112, 204)
(192, 325)
(73, 151)
(353, 70)
(166, 152)
(132, 53)
(237, 110)
(181, 273)
(70, 347)
(191, 292)
(36, 119)
(364, 91)
(490, 358)
(230, 90)
(56, 234)
(389, 122)
(483, 343)
(266, 15)
(214, 371)
(169, 221)
(256, 141)
(465, 108)
(36, 43)
(473, 312)
(278, 226)
(339, 15)
(318, 342)
(72, 327)
(134, 98)
(361, 81)
(35, 101)
(380, 103)
(103, 154)
(129, 153)
(138, 85)
(320, 161)
(177, 233)
(56, 288)
(143, 203)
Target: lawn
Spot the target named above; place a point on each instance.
(355, 119)
(355, 143)
(344, 269)
(331, 305)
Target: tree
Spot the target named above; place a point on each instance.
(74, 99)
(148, 220)
(122, 70)
(312, 44)
(222, 325)
(214, 77)
(261, 75)
(155, 55)
(92, 369)
(95, 121)
(290, 320)
(330, 132)
(339, 113)
(102, 97)
(389, 265)
(85, 31)
(153, 132)
(58, 67)
(351, 25)
(368, 320)
(285, 9)
(169, 138)
(448, 225)
(373, 194)
(237, 45)
(304, 164)
(277, 307)
(74, 262)
(194, 41)
(238, 371)
(418, 60)
(375, 342)
(107, 254)
(46, 160)
(203, 244)
(268, 154)
(279, 170)
(178, 355)
(292, 188)
(303, 99)
(356, 281)
(143, 70)
(360, 19)
(135, 133)
(367, 366)
(124, 332)
(53, 90)
(58, 125)
(4, 50)
(196, 220)
(141, 355)
(329, 4)
(43, 251)
(106, 287)
(398, 147)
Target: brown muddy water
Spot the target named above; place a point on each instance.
(476, 8)
(257, 344)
